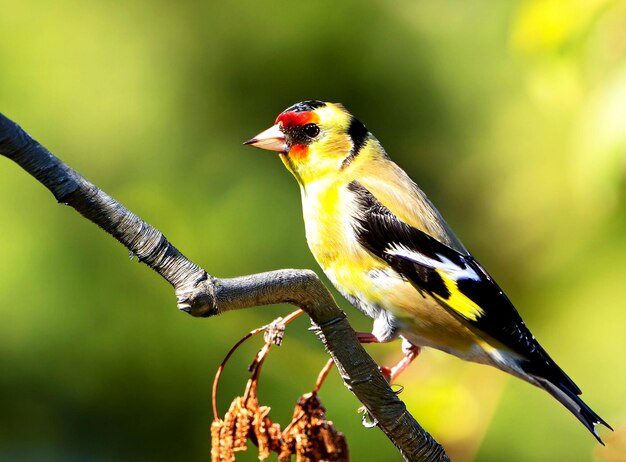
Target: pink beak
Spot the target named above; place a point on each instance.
(271, 139)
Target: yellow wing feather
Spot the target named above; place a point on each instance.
(458, 301)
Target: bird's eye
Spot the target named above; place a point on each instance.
(311, 130)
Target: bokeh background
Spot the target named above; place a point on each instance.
(510, 115)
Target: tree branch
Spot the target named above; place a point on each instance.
(201, 294)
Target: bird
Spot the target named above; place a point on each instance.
(389, 252)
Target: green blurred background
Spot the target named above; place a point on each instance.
(510, 115)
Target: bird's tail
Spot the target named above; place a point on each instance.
(575, 404)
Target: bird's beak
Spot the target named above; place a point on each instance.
(271, 139)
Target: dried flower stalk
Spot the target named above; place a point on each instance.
(309, 436)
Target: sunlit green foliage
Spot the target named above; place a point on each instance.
(511, 115)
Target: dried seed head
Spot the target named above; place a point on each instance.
(242, 428)
(216, 428)
(310, 436)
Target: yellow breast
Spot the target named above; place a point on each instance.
(328, 210)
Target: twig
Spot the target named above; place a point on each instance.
(322, 376)
(200, 294)
(273, 334)
(220, 369)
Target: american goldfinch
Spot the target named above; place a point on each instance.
(390, 253)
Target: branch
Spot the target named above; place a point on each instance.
(200, 294)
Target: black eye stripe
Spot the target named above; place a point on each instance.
(303, 134)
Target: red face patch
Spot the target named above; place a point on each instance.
(298, 151)
(297, 119)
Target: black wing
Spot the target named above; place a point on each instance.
(456, 280)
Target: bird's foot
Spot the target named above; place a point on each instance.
(410, 353)
(367, 337)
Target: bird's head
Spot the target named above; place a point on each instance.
(314, 139)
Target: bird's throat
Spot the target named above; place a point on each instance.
(290, 165)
